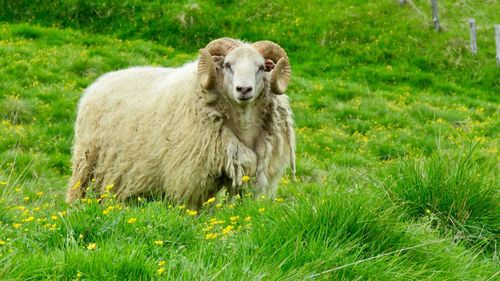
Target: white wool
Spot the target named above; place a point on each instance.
(153, 131)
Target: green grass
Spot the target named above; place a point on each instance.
(397, 152)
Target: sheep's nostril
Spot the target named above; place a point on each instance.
(244, 90)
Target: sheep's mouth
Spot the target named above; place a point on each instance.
(245, 98)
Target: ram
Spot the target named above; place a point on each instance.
(185, 133)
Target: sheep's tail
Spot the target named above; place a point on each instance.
(83, 167)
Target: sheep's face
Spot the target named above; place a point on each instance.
(244, 71)
(241, 70)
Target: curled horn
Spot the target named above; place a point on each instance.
(207, 75)
(280, 76)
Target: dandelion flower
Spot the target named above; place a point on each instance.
(17, 225)
(26, 198)
(218, 206)
(29, 219)
(248, 218)
(2, 242)
(108, 187)
(77, 185)
(39, 194)
(132, 220)
(162, 263)
(279, 199)
(234, 219)
(262, 210)
(91, 246)
(209, 201)
(192, 212)
(210, 236)
(159, 243)
(227, 229)
(161, 270)
(245, 179)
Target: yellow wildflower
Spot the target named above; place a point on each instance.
(26, 198)
(262, 210)
(191, 212)
(80, 237)
(54, 217)
(279, 199)
(162, 263)
(29, 219)
(161, 270)
(209, 236)
(248, 218)
(218, 206)
(209, 201)
(245, 179)
(208, 228)
(2, 242)
(79, 274)
(3, 183)
(109, 187)
(227, 229)
(234, 219)
(104, 196)
(76, 186)
(159, 242)
(17, 225)
(215, 221)
(132, 220)
(17, 190)
(91, 246)
(39, 194)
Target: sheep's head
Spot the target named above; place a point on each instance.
(241, 69)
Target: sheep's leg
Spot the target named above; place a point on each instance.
(83, 166)
(262, 182)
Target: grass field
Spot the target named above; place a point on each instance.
(397, 153)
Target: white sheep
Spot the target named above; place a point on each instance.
(185, 133)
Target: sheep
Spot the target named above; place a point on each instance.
(185, 133)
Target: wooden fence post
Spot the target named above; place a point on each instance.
(497, 40)
(435, 16)
(473, 41)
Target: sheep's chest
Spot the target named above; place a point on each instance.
(246, 125)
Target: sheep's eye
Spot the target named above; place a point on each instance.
(227, 65)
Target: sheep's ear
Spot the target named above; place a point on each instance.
(268, 65)
(207, 75)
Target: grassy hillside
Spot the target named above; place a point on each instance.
(397, 131)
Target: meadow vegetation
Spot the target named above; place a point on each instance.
(397, 153)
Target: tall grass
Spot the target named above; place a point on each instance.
(456, 190)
